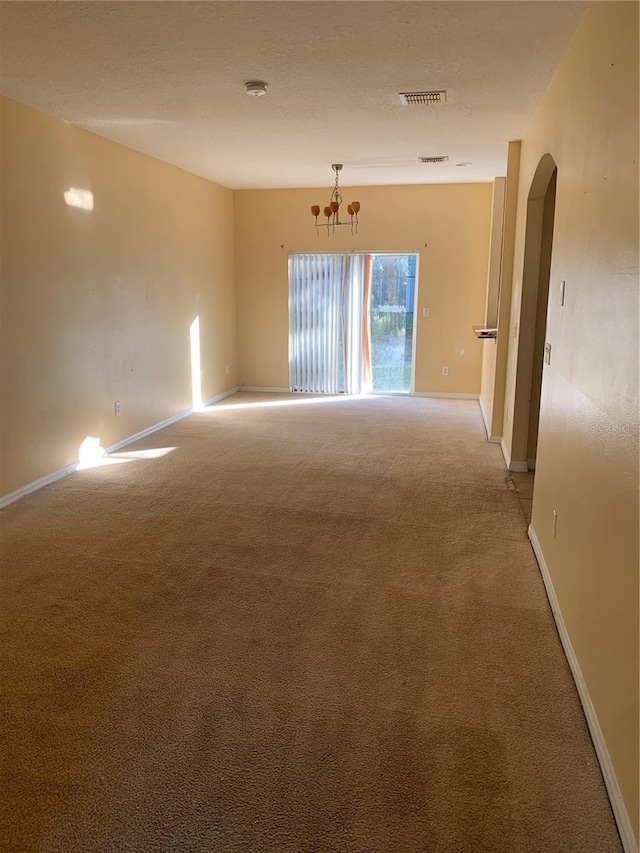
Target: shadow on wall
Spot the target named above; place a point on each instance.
(196, 369)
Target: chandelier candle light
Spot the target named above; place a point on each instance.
(332, 210)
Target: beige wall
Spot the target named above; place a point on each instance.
(587, 461)
(97, 305)
(453, 220)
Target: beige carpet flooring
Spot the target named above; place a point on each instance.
(312, 626)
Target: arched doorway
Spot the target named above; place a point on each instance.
(541, 204)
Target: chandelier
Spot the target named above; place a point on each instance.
(332, 210)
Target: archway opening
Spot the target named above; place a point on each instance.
(536, 277)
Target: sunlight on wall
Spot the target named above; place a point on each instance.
(79, 198)
(196, 374)
(90, 452)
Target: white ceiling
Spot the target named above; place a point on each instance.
(167, 78)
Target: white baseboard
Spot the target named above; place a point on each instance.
(521, 467)
(444, 396)
(172, 420)
(531, 464)
(613, 789)
(260, 390)
(219, 397)
(41, 482)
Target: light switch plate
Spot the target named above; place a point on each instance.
(547, 353)
(426, 312)
(561, 292)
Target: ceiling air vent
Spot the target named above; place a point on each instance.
(418, 99)
(443, 159)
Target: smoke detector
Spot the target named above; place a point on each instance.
(255, 88)
(443, 159)
(418, 99)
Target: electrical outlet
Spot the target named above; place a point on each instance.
(445, 371)
(515, 331)
(118, 407)
(547, 353)
(426, 312)
(554, 523)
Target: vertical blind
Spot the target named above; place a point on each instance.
(325, 322)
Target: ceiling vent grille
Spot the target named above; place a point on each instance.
(443, 159)
(419, 99)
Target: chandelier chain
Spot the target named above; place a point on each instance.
(336, 190)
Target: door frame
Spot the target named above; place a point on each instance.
(530, 317)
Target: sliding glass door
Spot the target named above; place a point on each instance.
(351, 322)
(391, 306)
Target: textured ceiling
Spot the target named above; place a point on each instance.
(167, 78)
